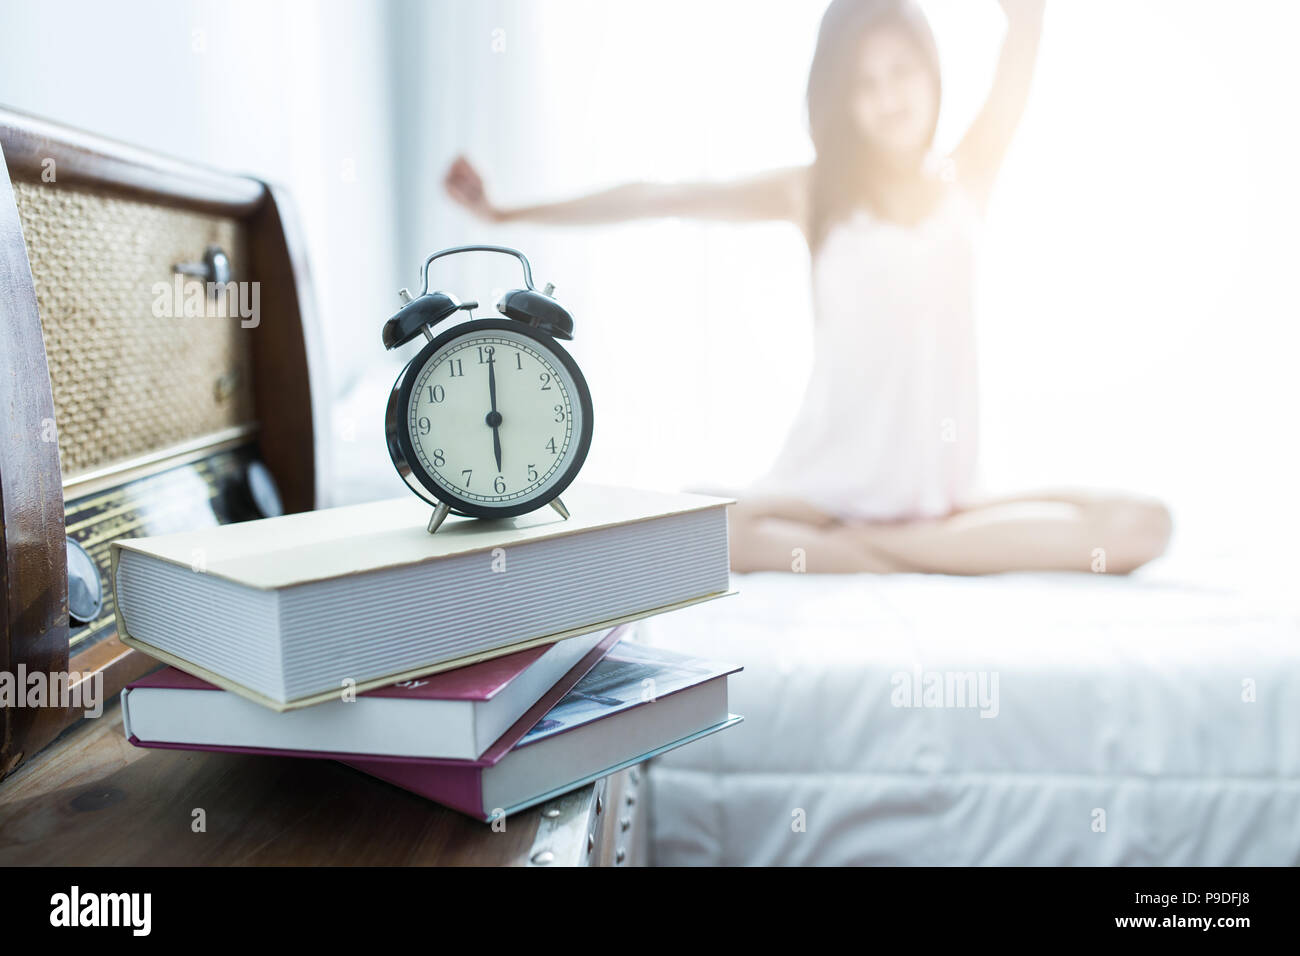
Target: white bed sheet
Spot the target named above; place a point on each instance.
(1116, 696)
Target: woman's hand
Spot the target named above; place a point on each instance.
(465, 187)
(1022, 9)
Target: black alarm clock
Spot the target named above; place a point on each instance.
(492, 418)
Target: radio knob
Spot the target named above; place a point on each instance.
(85, 587)
(248, 494)
(263, 490)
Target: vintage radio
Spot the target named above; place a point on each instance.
(156, 374)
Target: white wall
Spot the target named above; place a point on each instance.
(1140, 312)
(297, 92)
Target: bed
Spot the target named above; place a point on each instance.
(1151, 720)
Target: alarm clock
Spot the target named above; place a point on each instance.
(492, 418)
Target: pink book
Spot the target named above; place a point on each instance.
(620, 705)
(635, 703)
(455, 714)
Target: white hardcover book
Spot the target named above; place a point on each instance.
(296, 610)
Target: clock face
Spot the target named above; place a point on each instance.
(497, 418)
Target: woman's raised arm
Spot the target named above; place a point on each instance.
(979, 155)
(774, 195)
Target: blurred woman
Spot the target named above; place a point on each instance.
(877, 473)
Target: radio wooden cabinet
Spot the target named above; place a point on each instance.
(157, 373)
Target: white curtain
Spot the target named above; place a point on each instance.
(1137, 305)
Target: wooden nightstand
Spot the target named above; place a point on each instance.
(92, 799)
(81, 253)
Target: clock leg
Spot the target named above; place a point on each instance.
(439, 514)
(558, 505)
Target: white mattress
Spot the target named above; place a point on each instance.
(1123, 696)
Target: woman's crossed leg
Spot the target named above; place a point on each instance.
(1048, 531)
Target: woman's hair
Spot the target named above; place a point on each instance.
(845, 175)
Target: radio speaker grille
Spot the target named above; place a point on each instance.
(130, 375)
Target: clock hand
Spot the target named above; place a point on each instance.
(494, 417)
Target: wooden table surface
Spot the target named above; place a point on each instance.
(92, 798)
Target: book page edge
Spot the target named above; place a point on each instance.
(224, 683)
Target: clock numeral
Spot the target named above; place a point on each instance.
(550, 446)
(439, 458)
(559, 413)
(467, 472)
(437, 393)
(456, 367)
(485, 354)
(424, 425)
(519, 361)
(546, 381)
(532, 473)
(499, 485)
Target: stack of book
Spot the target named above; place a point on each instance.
(484, 667)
